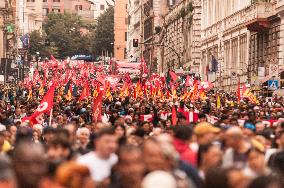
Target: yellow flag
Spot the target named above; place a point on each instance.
(30, 95)
(218, 102)
(41, 90)
(69, 94)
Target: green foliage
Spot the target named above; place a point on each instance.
(64, 31)
(62, 35)
(38, 43)
(103, 36)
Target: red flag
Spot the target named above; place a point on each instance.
(246, 93)
(189, 81)
(143, 66)
(239, 91)
(44, 107)
(52, 58)
(85, 92)
(97, 109)
(36, 77)
(148, 117)
(174, 115)
(127, 79)
(173, 75)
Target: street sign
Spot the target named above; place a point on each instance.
(261, 71)
(273, 70)
(273, 84)
(234, 74)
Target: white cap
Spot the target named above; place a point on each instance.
(159, 179)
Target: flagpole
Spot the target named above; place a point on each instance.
(50, 117)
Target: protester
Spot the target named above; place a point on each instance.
(238, 149)
(61, 128)
(103, 158)
(29, 164)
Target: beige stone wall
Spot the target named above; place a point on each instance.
(182, 33)
(280, 12)
(133, 29)
(1, 43)
(229, 39)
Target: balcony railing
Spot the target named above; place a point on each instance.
(261, 10)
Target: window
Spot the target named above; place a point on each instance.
(125, 36)
(125, 53)
(56, 1)
(102, 7)
(126, 21)
(227, 55)
(45, 11)
(56, 10)
(78, 7)
(44, 0)
(148, 28)
(125, 6)
(30, 0)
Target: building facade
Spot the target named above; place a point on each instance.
(7, 28)
(120, 30)
(3, 12)
(242, 35)
(89, 10)
(100, 6)
(153, 12)
(180, 36)
(280, 12)
(56, 6)
(82, 8)
(134, 30)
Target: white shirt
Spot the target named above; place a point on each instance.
(99, 168)
(105, 118)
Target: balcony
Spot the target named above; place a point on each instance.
(254, 17)
(280, 6)
(258, 16)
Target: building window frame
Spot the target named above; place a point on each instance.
(102, 7)
(45, 11)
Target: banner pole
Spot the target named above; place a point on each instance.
(50, 117)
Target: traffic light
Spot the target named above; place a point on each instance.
(135, 43)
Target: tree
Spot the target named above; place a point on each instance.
(36, 42)
(39, 43)
(64, 30)
(103, 36)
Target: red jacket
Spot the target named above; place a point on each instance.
(186, 154)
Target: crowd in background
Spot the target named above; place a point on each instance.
(229, 145)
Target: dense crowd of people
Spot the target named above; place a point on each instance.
(230, 145)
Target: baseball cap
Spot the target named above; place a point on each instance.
(204, 128)
(250, 126)
(158, 179)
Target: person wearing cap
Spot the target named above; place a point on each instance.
(205, 132)
(249, 129)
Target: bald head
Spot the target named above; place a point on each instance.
(234, 131)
